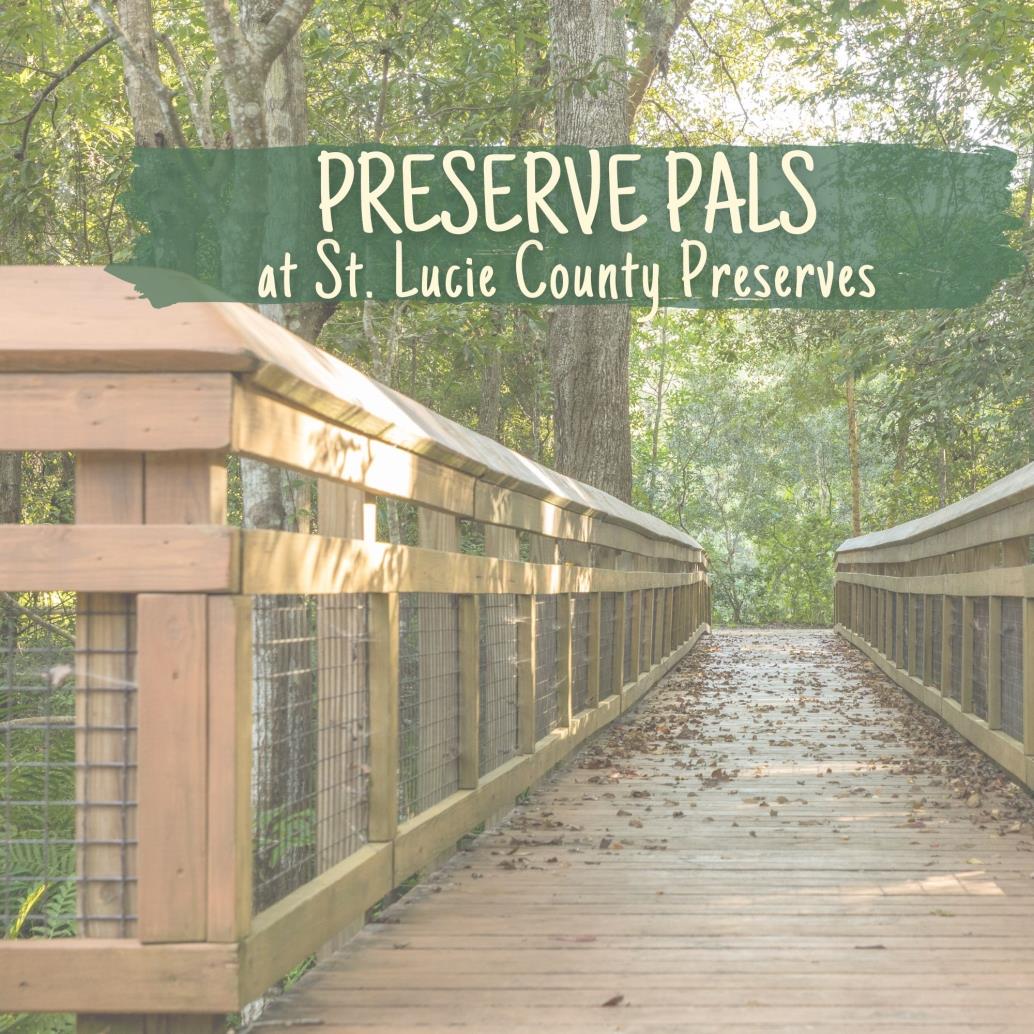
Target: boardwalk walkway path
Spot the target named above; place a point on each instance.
(777, 840)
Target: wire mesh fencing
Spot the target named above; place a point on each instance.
(978, 672)
(68, 705)
(892, 652)
(547, 704)
(310, 737)
(497, 733)
(646, 631)
(608, 622)
(659, 611)
(936, 640)
(629, 632)
(429, 700)
(919, 619)
(580, 604)
(955, 648)
(1012, 666)
(906, 642)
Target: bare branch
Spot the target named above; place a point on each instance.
(36, 619)
(148, 74)
(197, 113)
(56, 80)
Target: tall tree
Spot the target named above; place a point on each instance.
(588, 344)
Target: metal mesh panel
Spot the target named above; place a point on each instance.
(892, 645)
(955, 642)
(627, 673)
(579, 652)
(497, 736)
(1012, 667)
(67, 765)
(979, 661)
(936, 640)
(608, 617)
(906, 642)
(310, 737)
(429, 700)
(919, 609)
(659, 610)
(546, 701)
(645, 628)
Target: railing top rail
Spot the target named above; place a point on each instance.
(82, 319)
(1014, 488)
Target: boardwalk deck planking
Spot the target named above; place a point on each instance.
(787, 861)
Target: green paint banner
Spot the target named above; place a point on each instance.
(845, 226)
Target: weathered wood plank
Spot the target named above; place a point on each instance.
(172, 634)
(802, 874)
(116, 976)
(144, 412)
(279, 561)
(116, 558)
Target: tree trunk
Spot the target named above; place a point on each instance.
(490, 406)
(655, 434)
(588, 344)
(136, 18)
(852, 449)
(10, 487)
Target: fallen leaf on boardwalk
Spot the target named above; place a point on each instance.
(611, 1002)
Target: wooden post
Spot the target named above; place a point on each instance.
(646, 656)
(994, 662)
(899, 631)
(946, 608)
(526, 674)
(542, 549)
(563, 659)
(928, 605)
(470, 722)
(595, 642)
(914, 648)
(967, 653)
(636, 640)
(669, 621)
(616, 676)
(173, 768)
(384, 715)
(229, 767)
(166, 726)
(1028, 676)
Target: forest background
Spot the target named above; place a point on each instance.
(769, 435)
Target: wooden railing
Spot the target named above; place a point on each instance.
(944, 605)
(274, 729)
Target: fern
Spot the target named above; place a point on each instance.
(23, 913)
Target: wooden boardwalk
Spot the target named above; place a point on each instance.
(777, 840)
